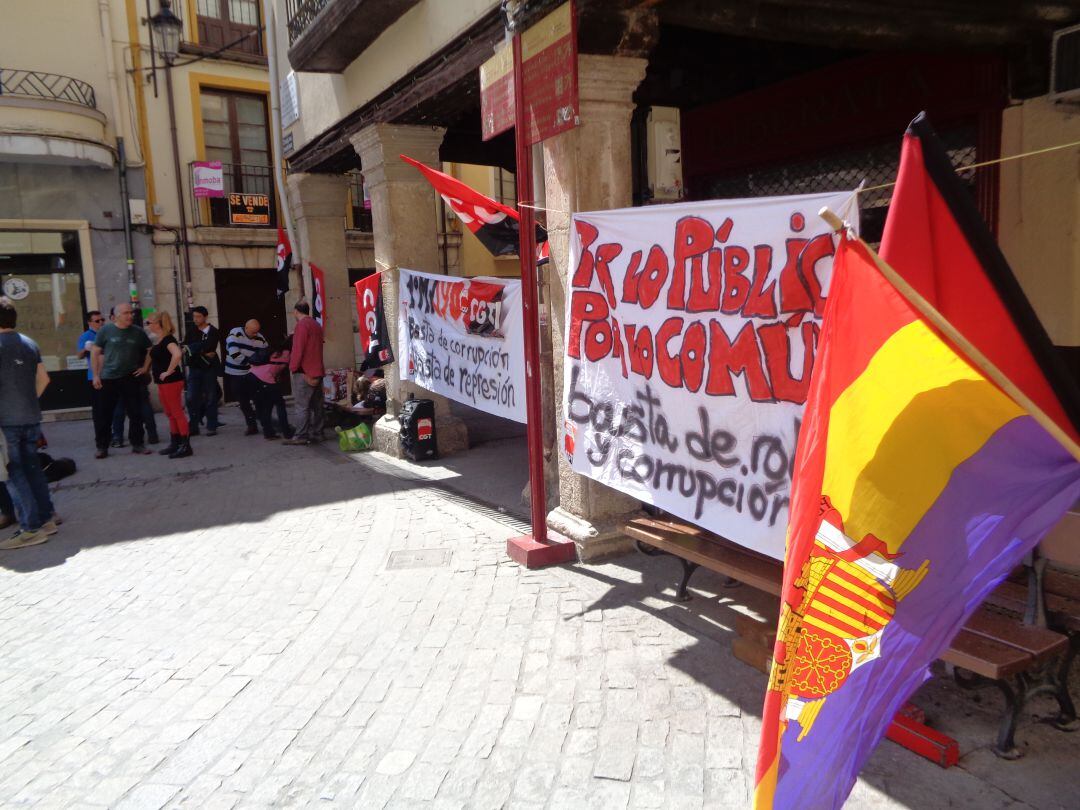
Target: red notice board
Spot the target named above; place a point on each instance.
(549, 79)
(497, 93)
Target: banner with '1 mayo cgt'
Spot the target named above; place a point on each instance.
(690, 338)
(463, 338)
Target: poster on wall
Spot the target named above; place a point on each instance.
(207, 179)
(691, 332)
(249, 209)
(463, 338)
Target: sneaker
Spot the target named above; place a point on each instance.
(49, 527)
(117, 443)
(272, 437)
(251, 430)
(101, 453)
(211, 432)
(140, 450)
(24, 539)
(296, 441)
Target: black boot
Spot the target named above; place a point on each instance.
(173, 445)
(184, 450)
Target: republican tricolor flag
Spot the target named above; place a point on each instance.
(494, 224)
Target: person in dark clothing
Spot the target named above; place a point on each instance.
(204, 367)
(119, 359)
(268, 398)
(166, 361)
(145, 408)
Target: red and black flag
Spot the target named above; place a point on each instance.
(318, 295)
(284, 262)
(494, 224)
(374, 337)
(937, 240)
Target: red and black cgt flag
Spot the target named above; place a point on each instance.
(494, 224)
(284, 262)
(374, 337)
(937, 240)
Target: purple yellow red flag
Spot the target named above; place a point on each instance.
(918, 485)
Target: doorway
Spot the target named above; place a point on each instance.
(246, 293)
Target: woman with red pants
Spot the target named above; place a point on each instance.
(165, 358)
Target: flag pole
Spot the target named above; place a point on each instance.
(981, 362)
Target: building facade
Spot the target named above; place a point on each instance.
(758, 99)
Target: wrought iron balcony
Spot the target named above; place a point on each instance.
(46, 85)
(252, 184)
(325, 36)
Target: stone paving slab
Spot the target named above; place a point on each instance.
(223, 631)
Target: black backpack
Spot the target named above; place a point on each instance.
(260, 357)
(417, 438)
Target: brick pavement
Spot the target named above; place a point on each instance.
(224, 631)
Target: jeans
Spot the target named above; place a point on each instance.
(126, 392)
(267, 399)
(147, 411)
(308, 404)
(202, 396)
(241, 387)
(26, 482)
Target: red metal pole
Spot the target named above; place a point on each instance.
(530, 307)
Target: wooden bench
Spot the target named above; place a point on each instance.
(996, 647)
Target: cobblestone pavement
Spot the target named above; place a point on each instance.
(239, 630)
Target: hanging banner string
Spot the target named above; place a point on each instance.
(865, 189)
(985, 163)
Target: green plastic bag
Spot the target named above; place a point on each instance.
(354, 439)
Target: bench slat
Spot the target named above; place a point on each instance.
(985, 656)
(758, 572)
(1035, 641)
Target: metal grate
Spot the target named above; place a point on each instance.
(300, 14)
(46, 85)
(238, 178)
(876, 165)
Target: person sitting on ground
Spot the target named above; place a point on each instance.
(166, 361)
(242, 342)
(375, 397)
(268, 396)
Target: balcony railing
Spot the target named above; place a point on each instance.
(237, 178)
(300, 13)
(46, 85)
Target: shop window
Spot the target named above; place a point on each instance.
(233, 23)
(877, 165)
(41, 272)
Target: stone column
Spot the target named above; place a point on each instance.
(406, 232)
(586, 169)
(318, 205)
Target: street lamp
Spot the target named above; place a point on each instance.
(167, 26)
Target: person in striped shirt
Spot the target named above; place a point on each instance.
(240, 345)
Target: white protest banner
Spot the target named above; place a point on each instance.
(463, 338)
(690, 338)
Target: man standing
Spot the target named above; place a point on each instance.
(120, 356)
(306, 365)
(22, 380)
(242, 342)
(94, 320)
(204, 366)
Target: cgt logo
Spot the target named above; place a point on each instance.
(569, 440)
(424, 429)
